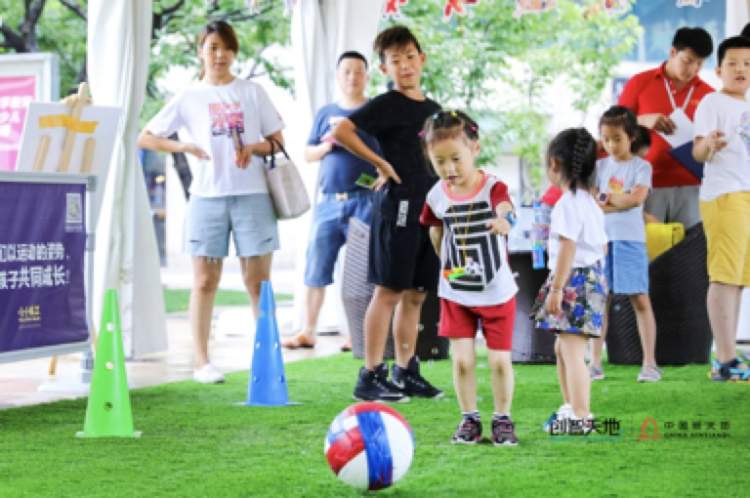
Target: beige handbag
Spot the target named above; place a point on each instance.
(288, 192)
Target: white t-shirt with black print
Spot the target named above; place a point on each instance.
(467, 243)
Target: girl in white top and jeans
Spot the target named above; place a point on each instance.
(572, 301)
(229, 124)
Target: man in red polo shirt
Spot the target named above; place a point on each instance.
(654, 96)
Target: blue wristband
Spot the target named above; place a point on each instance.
(510, 217)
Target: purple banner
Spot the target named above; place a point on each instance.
(42, 244)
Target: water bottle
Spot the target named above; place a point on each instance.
(539, 235)
(537, 257)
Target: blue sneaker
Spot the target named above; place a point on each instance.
(733, 371)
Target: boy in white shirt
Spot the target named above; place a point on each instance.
(722, 141)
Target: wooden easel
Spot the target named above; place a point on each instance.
(76, 104)
(70, 122)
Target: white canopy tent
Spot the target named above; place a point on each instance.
(321, 31)
(126, 257)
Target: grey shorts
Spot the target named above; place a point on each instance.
(249, 218)
(675, 205)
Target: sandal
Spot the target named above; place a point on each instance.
(732, 371)
(299, 341)
(346, 347)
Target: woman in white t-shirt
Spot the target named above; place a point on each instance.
(225, 126)
(572, 301)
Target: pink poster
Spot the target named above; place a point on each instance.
(16, 92)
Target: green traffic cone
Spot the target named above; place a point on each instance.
(108, 413)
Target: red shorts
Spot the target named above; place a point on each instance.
(459, 321)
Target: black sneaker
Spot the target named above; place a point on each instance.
(373, 386)
(412, 383)
(469, 431)
(503, 432)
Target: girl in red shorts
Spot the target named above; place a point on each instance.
(470, 213)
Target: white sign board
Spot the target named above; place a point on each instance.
(92, 135)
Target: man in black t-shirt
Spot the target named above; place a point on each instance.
(402, 265)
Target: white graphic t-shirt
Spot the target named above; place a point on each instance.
(217, 119)
(729, 169)
(474, 262)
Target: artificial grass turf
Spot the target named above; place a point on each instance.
(176, 300)
(197, 442)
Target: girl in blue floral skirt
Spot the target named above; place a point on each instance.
(572, 301)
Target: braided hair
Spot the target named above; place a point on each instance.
(575, 150)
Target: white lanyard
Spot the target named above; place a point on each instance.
(671, 98)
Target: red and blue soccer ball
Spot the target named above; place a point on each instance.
(369, 446)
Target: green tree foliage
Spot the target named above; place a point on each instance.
(491, 63)
(498, 66)
(259, 31)
(59, 26)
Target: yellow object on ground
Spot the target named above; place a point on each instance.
(662, 236)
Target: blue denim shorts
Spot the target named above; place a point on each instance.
(249, 218)
(330, 226)
(627, 267)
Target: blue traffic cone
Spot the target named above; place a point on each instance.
(267, 385)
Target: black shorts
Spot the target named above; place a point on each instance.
(401, 254)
